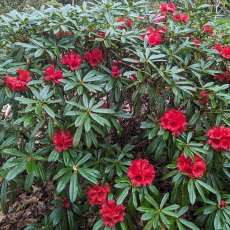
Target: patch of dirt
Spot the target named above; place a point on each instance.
(30, 207)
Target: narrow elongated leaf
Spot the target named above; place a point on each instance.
(73, 187)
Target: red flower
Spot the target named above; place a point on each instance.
(141, 172)
(155, 38)
(95, 57)
(18, 83)
(225, 52)
(160, 18)
(174, 121)
(115, 71)
(204, 97)
(66, 203)
(181, 17)
(101, 34)
(68, 33)
(72, 59)
(224, 77)
(218, 47)
(184, 18)
(177, 17)
(53, 75)
(219, 138)
(197, 42)
(24, 75)
(208, 29)
(193, 168)
(104, 105)
(62, 140)
(98, 195)
(112, 213)
(168, 8)
(150, 30)
(128, 22)
(222, 204)
(116, 63)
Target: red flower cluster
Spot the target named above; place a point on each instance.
(193, 168)
(197, 42)
(127, 21)
(18, 83)
(219, 138)
(222, 204)
(141, 172)
(224, 77)
(168, 8)
(204, 97)
(224, 51)
(95, 57)
(72, 59)
(154, 36)
(98, 195)
(66, 203)
(115, 71)
(62, 140)
(218, 47)
(181, 17)
(53, 75)
(112, 213)
(208, 29)
(174, 121)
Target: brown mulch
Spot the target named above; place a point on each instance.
(30, 207)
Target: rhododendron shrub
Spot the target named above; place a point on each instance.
(123, 109)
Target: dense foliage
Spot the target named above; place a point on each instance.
(125, 108)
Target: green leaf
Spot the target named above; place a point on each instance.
(200, 190)
(14, 152)
(54, 155)
(206, 186)
(39, 53)
(84, 159)
(63, 182)
(71, 219)
(98, 225)
(66, 157)
(73, 187)
(28, 182)
(191, 192)
(25, 101)
(164, 200)
(77, 136)
(188, 224)
(123, 194)
(152, 201)
(100, 120)
(49, 111)
(85, 173)
(16, 170)
(62, 172)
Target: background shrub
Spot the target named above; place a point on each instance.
(123, 108)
